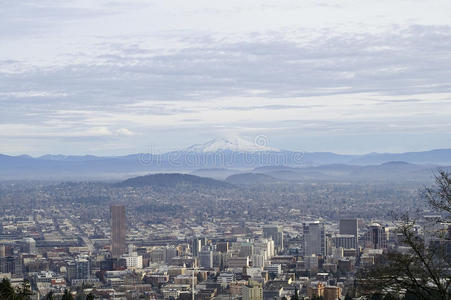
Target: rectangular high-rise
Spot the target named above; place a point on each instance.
(274, 232)
(349, 226)
(314, 238)
(346, 241)
(118, 230)
(206, 258)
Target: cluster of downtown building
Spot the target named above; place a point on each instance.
(247, 260)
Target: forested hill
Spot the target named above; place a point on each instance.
(172, 180)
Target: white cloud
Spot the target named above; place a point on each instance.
(123, 72)
(124, 132)
(21, 131)
(32, 94)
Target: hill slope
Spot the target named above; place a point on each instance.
(396, 171)
(251, 178)
(172, 180)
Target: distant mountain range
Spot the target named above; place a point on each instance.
(386, 172)
(220, 156)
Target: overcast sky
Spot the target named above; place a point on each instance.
(117, 77)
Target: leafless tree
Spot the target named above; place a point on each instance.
(420, 270)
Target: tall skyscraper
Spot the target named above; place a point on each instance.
(206, 258)
(222, 247)
(376, 237)
(314, 238)
(118, 230)
(83, 268)
(350, 226)
(276, 234)
(197, 246)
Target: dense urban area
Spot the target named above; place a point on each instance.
(199, 238)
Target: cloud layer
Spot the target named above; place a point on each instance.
(117, 77)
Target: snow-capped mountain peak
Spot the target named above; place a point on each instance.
(236, 144)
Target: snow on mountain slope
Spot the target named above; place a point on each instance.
(236, 144)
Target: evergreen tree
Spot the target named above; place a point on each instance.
(390, 296)
(67, 295)
(49, 296)
(295, 296)
(90, 296)
(6, 290)
(24, 292)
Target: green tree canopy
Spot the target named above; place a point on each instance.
(22, 292)
(67, 295)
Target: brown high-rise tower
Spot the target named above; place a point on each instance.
(118, 230)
